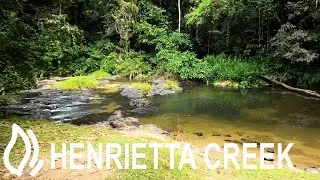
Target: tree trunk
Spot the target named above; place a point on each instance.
(304, 91)
(179, 10)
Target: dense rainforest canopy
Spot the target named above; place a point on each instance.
(204, 40)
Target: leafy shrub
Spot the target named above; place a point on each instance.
(79, 82)
(185, 64)
(173, 41)
(132, 65)
(143, 87)
(294, 56)
(100, 74)
(109, 63)
(60, 44)
(85, 66)
(99, 55)
(17, 49)
(291, 44)
(18, 76)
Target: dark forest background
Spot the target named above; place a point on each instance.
(237, 40)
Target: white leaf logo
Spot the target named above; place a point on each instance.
(34, 163)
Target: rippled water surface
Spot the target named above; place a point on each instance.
(223, 115)
(201, 115)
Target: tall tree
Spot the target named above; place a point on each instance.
(179, 11)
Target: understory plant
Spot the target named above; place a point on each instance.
(132, 64)
(232, 68)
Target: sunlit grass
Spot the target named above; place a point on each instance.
(172, 84)
(79, 82)
(143, 87)
(100, 74)
(49, 132)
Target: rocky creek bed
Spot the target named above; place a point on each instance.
(67, 106)
(62, 106)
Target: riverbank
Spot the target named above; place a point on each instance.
(97, 103)
(49, 132)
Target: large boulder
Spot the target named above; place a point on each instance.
(143, 102)
(131, 92)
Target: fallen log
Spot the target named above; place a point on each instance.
(305, 96)
(305, 91)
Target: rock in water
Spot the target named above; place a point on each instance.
(131, 92)
(116, 120)
(143, 102)
(116, 115)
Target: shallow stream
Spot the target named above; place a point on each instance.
(201, 115)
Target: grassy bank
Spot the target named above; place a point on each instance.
(48, 132)
(8, 99)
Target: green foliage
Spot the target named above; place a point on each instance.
(16, 77)
(79, 82)
(172, 84)
(133, 65)
(145, 88)
(227, 68)
(143, 77)
(289, 44)
(8, 99)
(17, 49)
(237, 27)
(184, 64)
(294, 57)
(109, 63)
(124, 21)
(60, 45)
(173, 41)
(153, 23)
(100, 74)
(152, 14)
(149, 33)
(95, 57)
(69, 38)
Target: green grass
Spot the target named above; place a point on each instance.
(145, 88)
(79, 82)
(100, 74)
(172, 84)
(232, 68)
(8, 99)
(49, 132)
